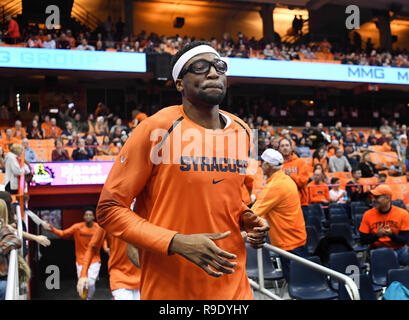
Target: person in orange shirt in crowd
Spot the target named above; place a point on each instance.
(82, 233)
(8, 140)
(386, 225)
(53, 131)
(189, 210)
(18, 131)
(280, 204)
(296, 168)
(318, 191)
(12, 35)
(45, 125)
(124, 276)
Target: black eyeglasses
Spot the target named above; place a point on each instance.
(203, 66)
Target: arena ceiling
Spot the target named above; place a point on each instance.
(316, 4)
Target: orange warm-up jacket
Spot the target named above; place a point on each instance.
(280, 204)
(197, 192)
(82, 236)
(299, 171)
(122, 273)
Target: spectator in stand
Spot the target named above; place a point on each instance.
(34, 131)
(386, 127)
(2, 163)
(53, 131)
(8, 140)
(296, 168)
(29, 153)
(101, 127)
(74, 139)
(85, 46)
(318, 166)
(339, 163)
(49, 43)
(59, 153)
(303, 150)
(102, 110)
(8, 242)
(82, 152)
(318, 191)
(367, 168)
(372, 139)
(67, 133)
(91, 142)
(46, 124)
(307, 130)
(105, 148)
(13, 169)
(353, 157)
(64, 42)
(279, 203)
(79, 125)
(118, 124)
(354, 189)
(383, 138)
(100, 46)
(320, 157)
(34, 42)
(268, 52)
(116, 136)
(386, 225)
(71, 40)
(241, 52)
(12, 35)
(18, 131)
(336, 194)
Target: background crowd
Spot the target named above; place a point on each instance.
(111, 36)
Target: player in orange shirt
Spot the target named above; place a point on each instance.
(187, 190)
(82, 233)
(124, 277)
(296, 168)
(386, 225)
(280, 204)
(318, 191)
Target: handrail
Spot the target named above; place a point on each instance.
(12, 289)
(350, 285)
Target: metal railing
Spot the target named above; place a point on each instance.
(13, 285)
(350, 285)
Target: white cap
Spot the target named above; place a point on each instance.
(273, 157)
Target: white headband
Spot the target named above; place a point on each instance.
(189, 55)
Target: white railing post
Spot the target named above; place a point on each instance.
(12, 290)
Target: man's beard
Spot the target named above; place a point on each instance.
(211, 99)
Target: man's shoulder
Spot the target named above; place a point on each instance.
(164, 118)
(400, 211)
(370, 212)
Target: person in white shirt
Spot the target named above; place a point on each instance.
(49, 43)
(85, 46)
(336, 195)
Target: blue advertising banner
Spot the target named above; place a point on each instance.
(315, 71)
(34, 58)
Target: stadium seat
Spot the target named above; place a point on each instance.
(313, 221)
(357, 224)
(338, 218)
(313, 239)
(343, 230)
(341, 261)
(314, 209)
(381, 261)
(398, 203)
(401, 275)
(268, 269)
(365, 289)
(308, 284)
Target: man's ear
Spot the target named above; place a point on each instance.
(179, 85)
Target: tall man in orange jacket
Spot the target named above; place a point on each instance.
(124, 277)
(181, 167)
(296, 168)
(280, 204)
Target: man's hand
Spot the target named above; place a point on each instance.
(201, 250)
(46, 225)
(387, 230)
(381, 232)
(255, 228)
(81, 284)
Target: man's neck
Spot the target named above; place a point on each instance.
(89, 224)
(205, 116)
(386, 209)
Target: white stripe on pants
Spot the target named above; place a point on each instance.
(126, 294)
